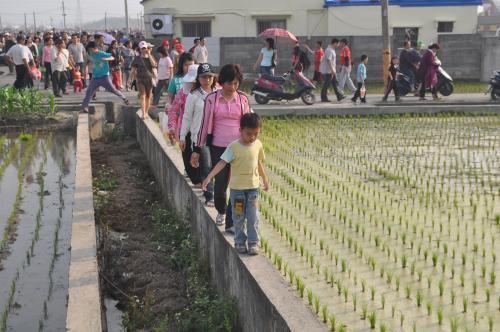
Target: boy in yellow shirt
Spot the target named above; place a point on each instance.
(245, 156)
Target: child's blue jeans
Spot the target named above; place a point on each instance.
(244, 204)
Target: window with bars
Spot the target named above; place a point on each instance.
(268, 24)
(196, 29)
(444, 27)
(401, 35)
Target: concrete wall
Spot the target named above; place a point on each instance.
(84, 299)
(238, 18)
(461, 55)
(491, 57)
(265, 300)
(366, 21)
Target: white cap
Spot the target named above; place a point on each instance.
(191, 75)
(143, 44)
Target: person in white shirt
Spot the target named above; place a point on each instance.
(201, 52)
(191, 122)
(165, 72)
(20, 56)
(60, 61)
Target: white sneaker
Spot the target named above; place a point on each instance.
(220, 219)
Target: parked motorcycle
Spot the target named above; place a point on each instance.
(444, 85)
(268, 88)
(494, 88)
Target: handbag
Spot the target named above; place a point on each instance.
(274, 61)
(362, 91)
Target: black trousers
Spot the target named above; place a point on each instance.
(423, 89)
(220, 187)
(392, 85)
(194, 174)
(357, 94)
(48, 74)
(23, 78)
(59, 79)
(330, 79)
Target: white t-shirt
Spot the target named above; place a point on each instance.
(201, 54)
(19, 52)
(59, 62)
(164, 66)
(330, 54)
(267, 57)
(77, 51)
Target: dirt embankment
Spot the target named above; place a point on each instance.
(131, 262)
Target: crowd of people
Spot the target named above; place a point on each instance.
(419, 67)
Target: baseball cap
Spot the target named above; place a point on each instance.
(165, 42)
(206, 69)
(176, 41)
(191, 75)
(143, 44)
(6, 34)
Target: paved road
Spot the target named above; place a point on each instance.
(372, 100)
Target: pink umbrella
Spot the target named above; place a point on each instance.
(276, 32)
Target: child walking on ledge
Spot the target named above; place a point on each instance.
(245, 156)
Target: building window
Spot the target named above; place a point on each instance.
(401, 35)
(444, 27)
(268, 24)
(196, 29)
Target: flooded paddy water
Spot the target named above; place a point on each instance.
(387, 223)
(37, 173)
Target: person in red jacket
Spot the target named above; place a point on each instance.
(346, 67)
(428, 70)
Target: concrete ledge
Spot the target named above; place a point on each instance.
(84, 303)
(265, 300)
(390, 109)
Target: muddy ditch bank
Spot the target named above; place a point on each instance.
(146, 257)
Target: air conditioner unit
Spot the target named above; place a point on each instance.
(161, 24)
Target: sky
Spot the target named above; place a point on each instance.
(12, 11)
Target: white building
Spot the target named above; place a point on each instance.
(418, 19)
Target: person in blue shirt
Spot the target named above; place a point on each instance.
(361, 78)
(100, 75)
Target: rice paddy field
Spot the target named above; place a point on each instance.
(387, 223)
(37, 174)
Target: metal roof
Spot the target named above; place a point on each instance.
(403, 3)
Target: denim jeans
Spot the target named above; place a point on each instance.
(267, 70)
(244, 204)
(162, 85)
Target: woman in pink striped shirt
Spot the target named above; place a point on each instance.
(219, 127)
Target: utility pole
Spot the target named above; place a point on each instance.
(34, 21)
(105, 21)
(25, 24)
(127, 28)
(79, 9)
(64, 15)
(386, 41)
(51, 23)
(1, 25)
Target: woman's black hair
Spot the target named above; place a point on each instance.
(434, 46)
(197, 83)
(394, 58)
(186, 56)
(46, 39)
(270, 43)
(250, 120)
(91, 44)
(162, 51)
(229, 73)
